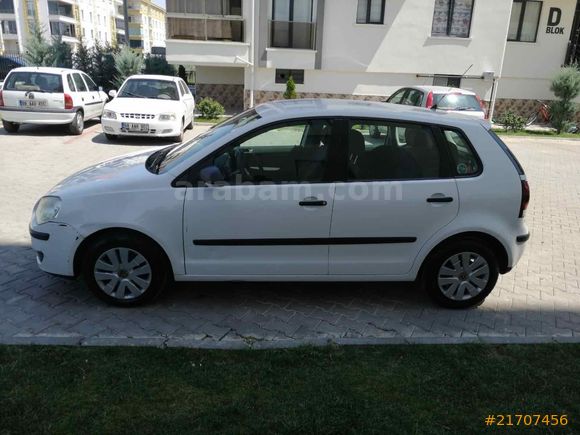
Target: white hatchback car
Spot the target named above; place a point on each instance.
(48, 96)
(451, 100)
(296, 191)
(149, 105)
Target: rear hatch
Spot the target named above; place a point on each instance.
(463, 104)
(33, 90)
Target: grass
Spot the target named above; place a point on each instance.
(202, 120)
(537, 133)
(390, 389)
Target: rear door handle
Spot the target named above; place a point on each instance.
(312, 202)
(440, 199)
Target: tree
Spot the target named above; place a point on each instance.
(82, 59)
(60, 54)
(37, 49)
(103, 65)
(290, 93)
(127, 63)
(155, 64)
(566, 87)
(182, 73)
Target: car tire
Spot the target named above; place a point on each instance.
(111, 136)
(10, 127)
(125, 270)
(190, 125)
(461, 274)
(77, 125)
(179, 137)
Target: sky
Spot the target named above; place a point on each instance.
(160, 2)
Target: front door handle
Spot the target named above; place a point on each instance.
(440, 199)
(312, 202)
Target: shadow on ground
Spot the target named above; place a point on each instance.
(46, 130)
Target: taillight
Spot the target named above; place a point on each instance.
(1, 99)
(429, 100)
(525, 197)
(68, 102)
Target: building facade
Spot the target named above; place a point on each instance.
(146, 25)
(505, 50)
(91, 21)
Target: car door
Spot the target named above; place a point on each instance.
(397, 194)
(270, 214)
(187, 99)
(84, 94)
(95, 103)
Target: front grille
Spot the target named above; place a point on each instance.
(137, 116)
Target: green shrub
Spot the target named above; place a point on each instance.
(566, 87)
(290, 93)
(210, 108)
(512, 121)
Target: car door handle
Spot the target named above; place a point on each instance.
(312, 202)
(440, 199)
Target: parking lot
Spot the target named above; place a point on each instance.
(538, 301)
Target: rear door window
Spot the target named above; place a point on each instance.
(465, 161)
(80, 84)
(33, 81)
(71, 83)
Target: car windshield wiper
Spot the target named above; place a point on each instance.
(131, 94)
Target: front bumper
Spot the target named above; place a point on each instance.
(55, 245)
(44, 116)
(156, 128)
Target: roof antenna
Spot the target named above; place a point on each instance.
(466, 71)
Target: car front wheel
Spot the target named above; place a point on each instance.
(78, 124)
(10, 127)
(125, 271)
(461, 274)
(179, 137)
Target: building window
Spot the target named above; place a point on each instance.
(370, 12)
(135, 43)
(9, 27)
(282, 75)
(525, 20)
(292, 24)
(447, 81)
(452, 18)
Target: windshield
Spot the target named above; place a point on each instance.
(149, 88)
(457, 102)
(173, 156)
(33, 81)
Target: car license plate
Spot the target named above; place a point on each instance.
(134, 127)
(33, 103)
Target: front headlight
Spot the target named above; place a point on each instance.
(109, 114)
(167, 117)
(47, 209)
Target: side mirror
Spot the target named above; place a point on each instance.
(211, 174)
(112, 93)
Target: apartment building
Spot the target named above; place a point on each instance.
(505, 50)
(75, 20)
(146, 25)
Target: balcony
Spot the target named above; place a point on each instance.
(206, 29)
(63, 10)
(62, 29)
(6, 7)
(292, 34)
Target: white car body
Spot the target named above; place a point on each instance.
(138, 116)
(71, 91)
(269, 231)
(429, 96)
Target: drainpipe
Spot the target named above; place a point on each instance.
(497, 78)
(252, 54)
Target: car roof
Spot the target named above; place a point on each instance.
(312, 108)
(442, 90)
(153, 77)
(45, 69)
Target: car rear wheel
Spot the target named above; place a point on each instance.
(461, 274)
(10, 127)
(125, 271)
(78, 124)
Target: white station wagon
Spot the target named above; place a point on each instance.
(49, 96)
(296, 191)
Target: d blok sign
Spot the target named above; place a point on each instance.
(554, 18)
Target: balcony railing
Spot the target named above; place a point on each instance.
(62, 29)
(205, 29)
(59, 9)
(293, 34)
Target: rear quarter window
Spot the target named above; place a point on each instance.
(465, 161)
(33, 81)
